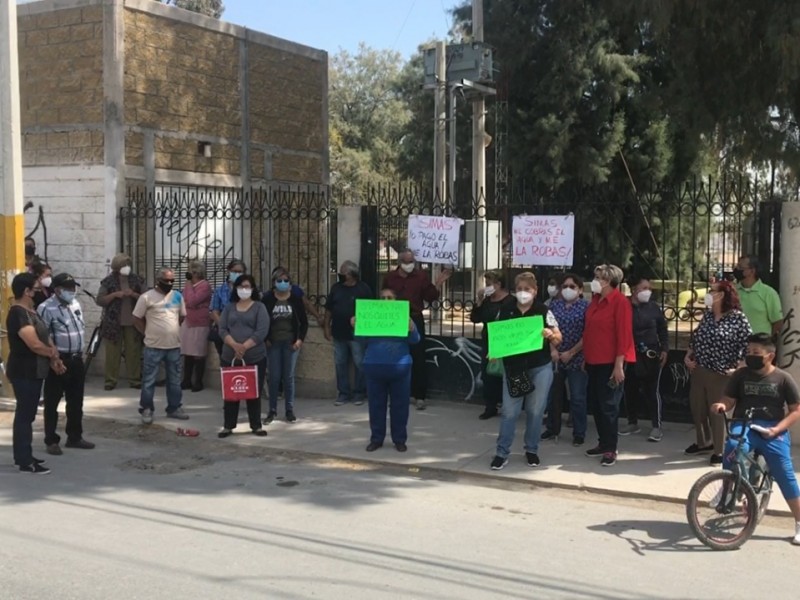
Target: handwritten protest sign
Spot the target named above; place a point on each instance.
(434, 239)
(382, 318)
(515, 336)
(544, 240)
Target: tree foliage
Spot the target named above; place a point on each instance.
(210, 8)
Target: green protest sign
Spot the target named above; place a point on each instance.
(515, 336)
(382, 318)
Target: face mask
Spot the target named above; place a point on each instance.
(67, 296)
(597, 287)
(754, 362)
(708, 300)
(30, 251)
(524, 298)
(125, 271)
(488, 291)
(407, 267)
(738, 274)
(165, 287)
(569, 294)
(283, 286)
(244, 293)
(552, 291)
(644, 296)
(232, 277)
(47, 281)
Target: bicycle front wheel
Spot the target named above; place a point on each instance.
(722, 510)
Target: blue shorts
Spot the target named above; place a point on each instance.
(777, 452)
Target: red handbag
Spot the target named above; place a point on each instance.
(239, 383)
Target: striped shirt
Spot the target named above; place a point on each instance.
(65, 322)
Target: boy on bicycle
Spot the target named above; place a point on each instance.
(762, 384)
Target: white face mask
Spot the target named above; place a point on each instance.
(569, 294)
(47, 281)
(524, 298)
(488, 291)
(125, 271)
(644, 296)
(407, 267)
(709, 300)
(244, 293)
(597, 287)
(552, 291)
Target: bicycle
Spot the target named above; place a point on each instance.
(724, 507)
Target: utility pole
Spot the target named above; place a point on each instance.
(451, 123)
(479, 124)
(440, 127)
(12, 230)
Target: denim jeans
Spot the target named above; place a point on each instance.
(388, 385)
(171, 358)
(603, 403)
(282, 363)
(534, 404)
(575, 380)
(343, 352)
(27, 393)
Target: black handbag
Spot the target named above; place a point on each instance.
(518, 382)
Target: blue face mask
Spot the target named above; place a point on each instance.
(67, 296)
(232, 277)
(283, 286)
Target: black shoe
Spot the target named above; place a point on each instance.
(290, 418)
(372, 446)
(35, 469)
(487, 414)
(224, 433)
(54, 449)
(695, 449)
(609, 459)
(716, 460)
(577, 441)
(81, 444)
(596, 451)
(270, 417)
(198, 387)
(401, 447)
(39, 461)
(533, 459)
(498, 462)
(260, 432)
(548, 435)
(109, 386)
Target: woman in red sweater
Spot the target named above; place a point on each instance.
(195, 329)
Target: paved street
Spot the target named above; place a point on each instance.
(152, 515)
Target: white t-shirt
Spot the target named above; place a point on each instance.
(162, 315)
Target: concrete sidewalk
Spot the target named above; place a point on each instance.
(448, 436)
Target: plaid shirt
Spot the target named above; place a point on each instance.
(65, 322)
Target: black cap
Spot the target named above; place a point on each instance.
(64, 280)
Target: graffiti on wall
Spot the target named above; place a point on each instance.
(790, 340)
(39, 225)
(454, 367)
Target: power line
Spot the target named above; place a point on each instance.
(403, 26)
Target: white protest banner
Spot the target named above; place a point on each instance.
(434, 239)
(543, 240)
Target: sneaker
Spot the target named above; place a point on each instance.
(695, 449)
(35, 469)
(716, 460)
(656, 435)
(39, 461)
(629, 429)
(81, 444)
(548, 435)
(54, 449)
(179, 414)
(498, 462)
(796, 538)
(577, 441)
(224, 433)
(609, 459)
(270, 417)
(340, 402)
(290, 418)
(147, 416)
(596, 451)
(358, 402)
(533, 459)
(421, 405)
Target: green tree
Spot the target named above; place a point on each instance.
(211, 8)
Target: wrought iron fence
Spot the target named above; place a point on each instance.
(269, 227)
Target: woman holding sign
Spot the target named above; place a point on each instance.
(387, 369)
(524, 346)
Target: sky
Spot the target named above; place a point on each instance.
(399, 25)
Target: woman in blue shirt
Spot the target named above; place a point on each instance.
(387, 369)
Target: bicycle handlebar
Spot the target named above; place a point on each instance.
(748, 418)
